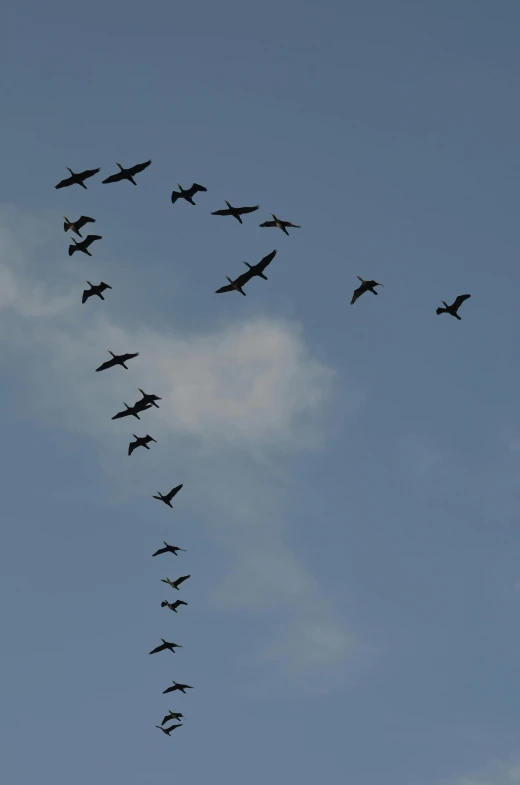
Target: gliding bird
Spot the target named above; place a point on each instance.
(77, 225)
(454, 307)
(366, 286)
(176, 686)
(98, 289)
(140, 441)
(177, 583)
(168, 549)
(187, 194)
(280, 224)
(84, 244)
(169, 496)
(117, 359)
(236, 212)
(258, 269)
(172, 605)
(77, 178)
(166, 646)
(127, 174)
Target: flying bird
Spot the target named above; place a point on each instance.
(166, 646)
(167, 731)
(454, 307)
(130, 411)
(148, 398)
(172, 715)
(140, 441)
(127, 174)
(77, 225)
(168, 549)
(366, 286)
(84, 244)
(236, 212)
(236, 285)
(173, 605)
(187, 194)
(258, 269)
(98, 290)
(180, 687)
(177, 583)
(280, 224)
(169, 496)
(117, 359)
(77, 178)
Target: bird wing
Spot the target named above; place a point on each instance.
(268, 223)
(227, 288)
(222, 212)
(293, 226)
(357, 293)
(173, 492)
(175, 195)
(460, 299)
(194, 188)
(161, 550)
(262, 264)
(86, 295)
(89, 173)
(107, 364)
(64, 183)
(72, 248)
(130, 356)
(245, 210)
(114, 178)
(166, 718)
(124, 413)
(84, 219)
(131, 447)
(243, 278)
(138, 167)
(148, 439)
(90, 238)
(172, 727)
(103, 285)
(181, 580)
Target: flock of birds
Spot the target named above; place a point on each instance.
(148, 400)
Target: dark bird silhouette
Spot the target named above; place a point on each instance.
(172, 715)
(167, 731)
(130, 411)
(177, 583)
(84, 244)
(187, 194)
(168, 549)
(140, 441)
(166, 646)
(117, 359)
(236, 285)
(366, 286)
(98, 290)
(175, 686)
(236, 212)
(77, 178)
(169, 496)
(280, 224)
(173, 605)
(127, 174)
(148, 398)
(258, 269)
(454, 307)
(77, 225)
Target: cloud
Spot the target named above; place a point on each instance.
(235, 403)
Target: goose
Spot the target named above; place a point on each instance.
(366, 286)
(117, 359)
(140, 441)
(77, 225)
(166, 646)
(169, 496)
(236, 212)
(84, 244)
(127, 174)
(177, 583)
(98, 290)
(77, 178)
(175, 686)
(454, 307)
(280, 224)
(168, 549)
(187, 194)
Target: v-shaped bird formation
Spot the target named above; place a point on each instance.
(149, 401)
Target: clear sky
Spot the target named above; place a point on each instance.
(350, 501)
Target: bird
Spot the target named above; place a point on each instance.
(77, 225)
(140, 441)
(168, 549)
(366, 286)
(127, 174)
(172, 605)
(148, 398)
(169, 496)
(236, 212)
(129, 411)
(84, 244)
(172, 715)
(166, 646)
(117, 359)
(187, 194)
(236, 285)
(177, 583)
(175, 686)
(258, 269)
(167, 731)
(280, 224)
(98, 289)
(77, 178)
(454, 307)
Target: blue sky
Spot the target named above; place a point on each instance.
(350, 500)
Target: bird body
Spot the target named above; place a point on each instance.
(98, 290)
(168, 549)
(258, 269)
(117, 359)
(167, 499)
(77, 225)
(454, 307)
(187, 194)
(177, 687)
(140, 441)
(130, 411)
(173, 605)
(127, 174)
(280, 224)
(366, 286)
(84, 244)
(177, 583)
(166, 646)
(236, 212)
(77, 178)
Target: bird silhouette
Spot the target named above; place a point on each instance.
(236, 285)
(236, 212)
(167, 731)
(173, 605)
(140, 441)
(117, 359)
(280, 224)
(77, 225)
(77, 178)
(130, 411)
(454, 307)
(95, 290)
(366, 286)
(177, 583)
(166, 646)
(84, 244)
(168, 549)
(169, 496)
(172, 715)
(148, 398)
(177, 687)
(258, 269)
(187, 194)
(127, 174)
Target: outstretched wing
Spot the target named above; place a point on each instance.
(227, 288)
(175, 195)
(293, 226)
(161, 550)
(138, 168)
(194, 188)
(103, 285)
(89, 173)
(107, 364)
(262, 264)
(64, 183)
(72, 249)
(357, 293)
(268, 223)
(166, 718)
(222, 212)
(128, 356)
(181, 580)
(245, 210)
(90, 238)
(157, 649)
(124, 413)
(86, 295)
(114, 178)
(84, 219)
(173, 492)
(131, 447)
(172, 727)
(460, 299)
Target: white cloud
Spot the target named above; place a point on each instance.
(235, 400)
